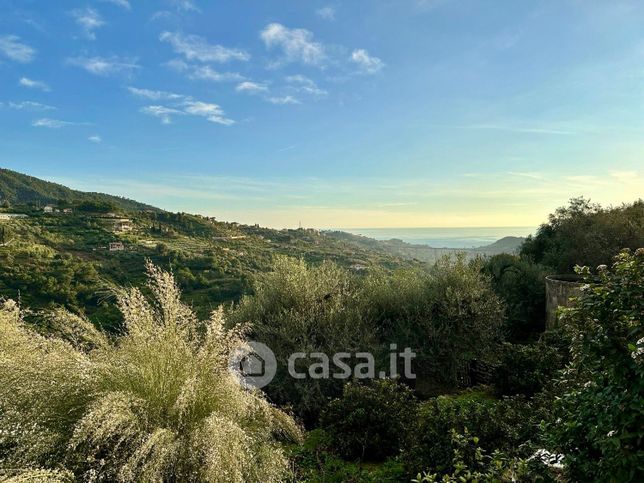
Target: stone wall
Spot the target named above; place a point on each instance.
(559, 290)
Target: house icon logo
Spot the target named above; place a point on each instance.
(254, 365)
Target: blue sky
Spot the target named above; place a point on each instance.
(363, 113)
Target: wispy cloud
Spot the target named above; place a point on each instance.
(297, 45)
(162, 112)
(89, 20)
(303, 84)
(30, 106)
(327, 13)
(155, 95)
(185, 5)
(283, 100)
(205, 72)
(105, 66)
(365, 62)
(96, 139)
(518, 129)
(33, 84)
(12, 48)
(197, 48)
(54, 123)
(251, 87)
(121, 3)
(211, 112)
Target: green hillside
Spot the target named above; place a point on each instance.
(64, 258)
(21, 189)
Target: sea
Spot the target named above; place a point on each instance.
(463, 237)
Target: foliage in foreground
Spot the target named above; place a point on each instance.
(507, 425)
(471, 463)
(370, 421)
(155, 404)
(600, 425)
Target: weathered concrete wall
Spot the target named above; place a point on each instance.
(559, 290)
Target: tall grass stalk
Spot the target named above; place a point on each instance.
(154, 404)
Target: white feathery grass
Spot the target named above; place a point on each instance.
(155, 404)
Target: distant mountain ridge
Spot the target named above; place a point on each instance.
(426, 253)
(18, 188)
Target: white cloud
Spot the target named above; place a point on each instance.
(327, 13)
(303, 84)
(251, 87)
(206, 72)
(51, 123)
(177, 64)
(197, 48)
(12, 48)
(96, 139)
(366, 62)
(30, 106)
(186, 5)
(297, 45)
(154, 95)
(121, 3)
(103, 66)
(283, 100)
(212, 112)
(162, 112)
(33, 84)
(89, 20)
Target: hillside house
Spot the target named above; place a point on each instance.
(123, 225)
(116, 247)
(48, 209)
(68, 211)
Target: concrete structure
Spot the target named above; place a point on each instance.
(48, 209)
(116, 247)
(123, 225)
(559, 291)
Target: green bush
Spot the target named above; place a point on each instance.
(471, 463)
(370, 421)
(315, 462)
(448, 314)
(600, 413)
(301, 308)
(521, 285)
(526, 369)
(507, 425)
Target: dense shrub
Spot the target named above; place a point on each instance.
(370, 421)
(156, 404)
(521, 285)
(526, 369)
(506, 424)
(316, 462)
(301, 308)
(449, 315)
(583, 233)
(471, 463)
(600, 414)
